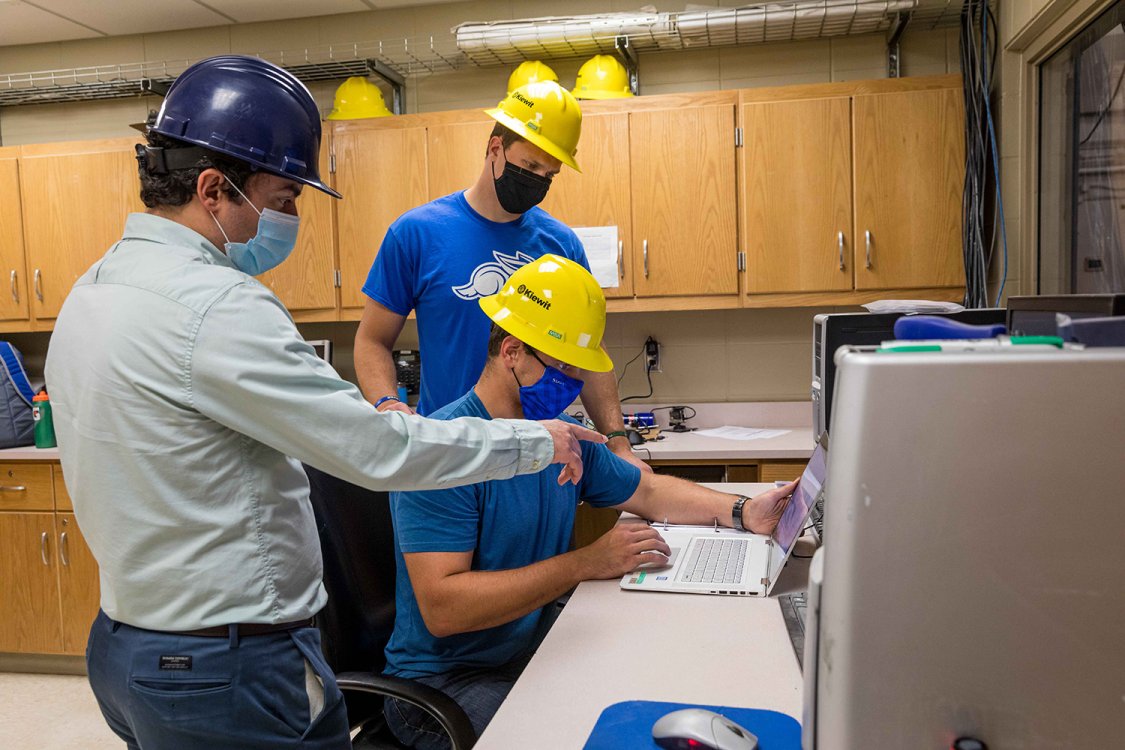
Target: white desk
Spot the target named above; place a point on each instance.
(610, 645)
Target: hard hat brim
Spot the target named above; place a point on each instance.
(593, 360)
(521, 129)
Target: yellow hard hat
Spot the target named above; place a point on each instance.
(555, 306)
(602, 77)
(358, 98)
(545, 114)
(530, 71)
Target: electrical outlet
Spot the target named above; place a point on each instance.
(652, 355)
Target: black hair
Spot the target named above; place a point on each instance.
(507, 137)
(177, 186)
(496, 336)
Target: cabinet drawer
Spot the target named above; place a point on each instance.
(26, 487)
(780, 471)
(62, 497)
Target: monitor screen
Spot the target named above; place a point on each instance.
(792, 520)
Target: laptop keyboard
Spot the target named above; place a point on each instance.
(793, 608)
(715, 561)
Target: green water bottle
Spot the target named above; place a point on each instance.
(44, 427)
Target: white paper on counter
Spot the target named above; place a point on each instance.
(742, 433)
(601, 251)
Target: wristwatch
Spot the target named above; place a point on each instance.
(736, 513)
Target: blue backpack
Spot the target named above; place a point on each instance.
(17, 427)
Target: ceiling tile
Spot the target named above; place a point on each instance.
(249, 11)
(21, 23)
(135, 16)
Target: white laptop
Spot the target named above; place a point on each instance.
(706, 560)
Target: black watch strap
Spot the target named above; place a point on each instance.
(736, 513)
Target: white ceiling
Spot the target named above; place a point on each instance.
(39, 21)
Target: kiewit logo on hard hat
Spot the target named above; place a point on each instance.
(522, 289)
(519, 97)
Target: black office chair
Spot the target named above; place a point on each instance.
(357, 541)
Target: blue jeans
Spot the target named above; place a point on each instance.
(479, 692)
(160, 691)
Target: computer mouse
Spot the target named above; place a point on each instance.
(698, 727)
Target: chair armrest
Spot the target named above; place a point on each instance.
(436, 703)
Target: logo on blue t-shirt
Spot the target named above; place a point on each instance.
(487, 278)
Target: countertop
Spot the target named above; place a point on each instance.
(798, 442)
(29, 453)
(795, 417)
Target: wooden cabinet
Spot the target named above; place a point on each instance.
(852, 189)
(306, 281)
(29, 619)
(13, 299)
(684, 204)
(48, 577)
(455, 152)
(600, 194)
(75, 199)
(79, 593)
(381, 172)
(867, 171)
(797, 195)
(909, 176)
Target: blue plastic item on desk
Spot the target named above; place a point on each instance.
(931, 327)
(629, 725)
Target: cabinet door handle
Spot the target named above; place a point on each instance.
(43, 548)
(840, 248)
(62, 550)
(644, 255)
(15, 287)
(867, 241)
(621, 258)
(38, 287)
(13, 488)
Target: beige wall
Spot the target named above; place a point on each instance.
(740, 355)
(837, 59)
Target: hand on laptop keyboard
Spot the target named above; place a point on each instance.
(621, 550)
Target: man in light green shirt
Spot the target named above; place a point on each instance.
(184, 401)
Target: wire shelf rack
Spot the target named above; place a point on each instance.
(510, 42)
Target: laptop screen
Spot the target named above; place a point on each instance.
(793, 519)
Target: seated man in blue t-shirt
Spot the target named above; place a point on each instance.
(478, 565)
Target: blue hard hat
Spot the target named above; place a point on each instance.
(249, 109)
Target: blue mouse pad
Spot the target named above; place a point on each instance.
(628, 725)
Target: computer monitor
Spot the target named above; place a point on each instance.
(971, 582)
(1035, 316)
(833, 330)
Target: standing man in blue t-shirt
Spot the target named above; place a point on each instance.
(478, 566)
(441, 258)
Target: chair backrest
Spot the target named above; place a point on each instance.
(357, 542)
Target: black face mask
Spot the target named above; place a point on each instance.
(519, 190)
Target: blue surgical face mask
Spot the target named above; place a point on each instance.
(274, 242)
(547, 397)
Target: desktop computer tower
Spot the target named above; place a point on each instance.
(833, 330)
(971, 578)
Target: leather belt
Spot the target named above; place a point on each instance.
(247, 628)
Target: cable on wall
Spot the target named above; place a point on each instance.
(982, 205)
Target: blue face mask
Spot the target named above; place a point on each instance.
(547, 397)
(274, 242)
